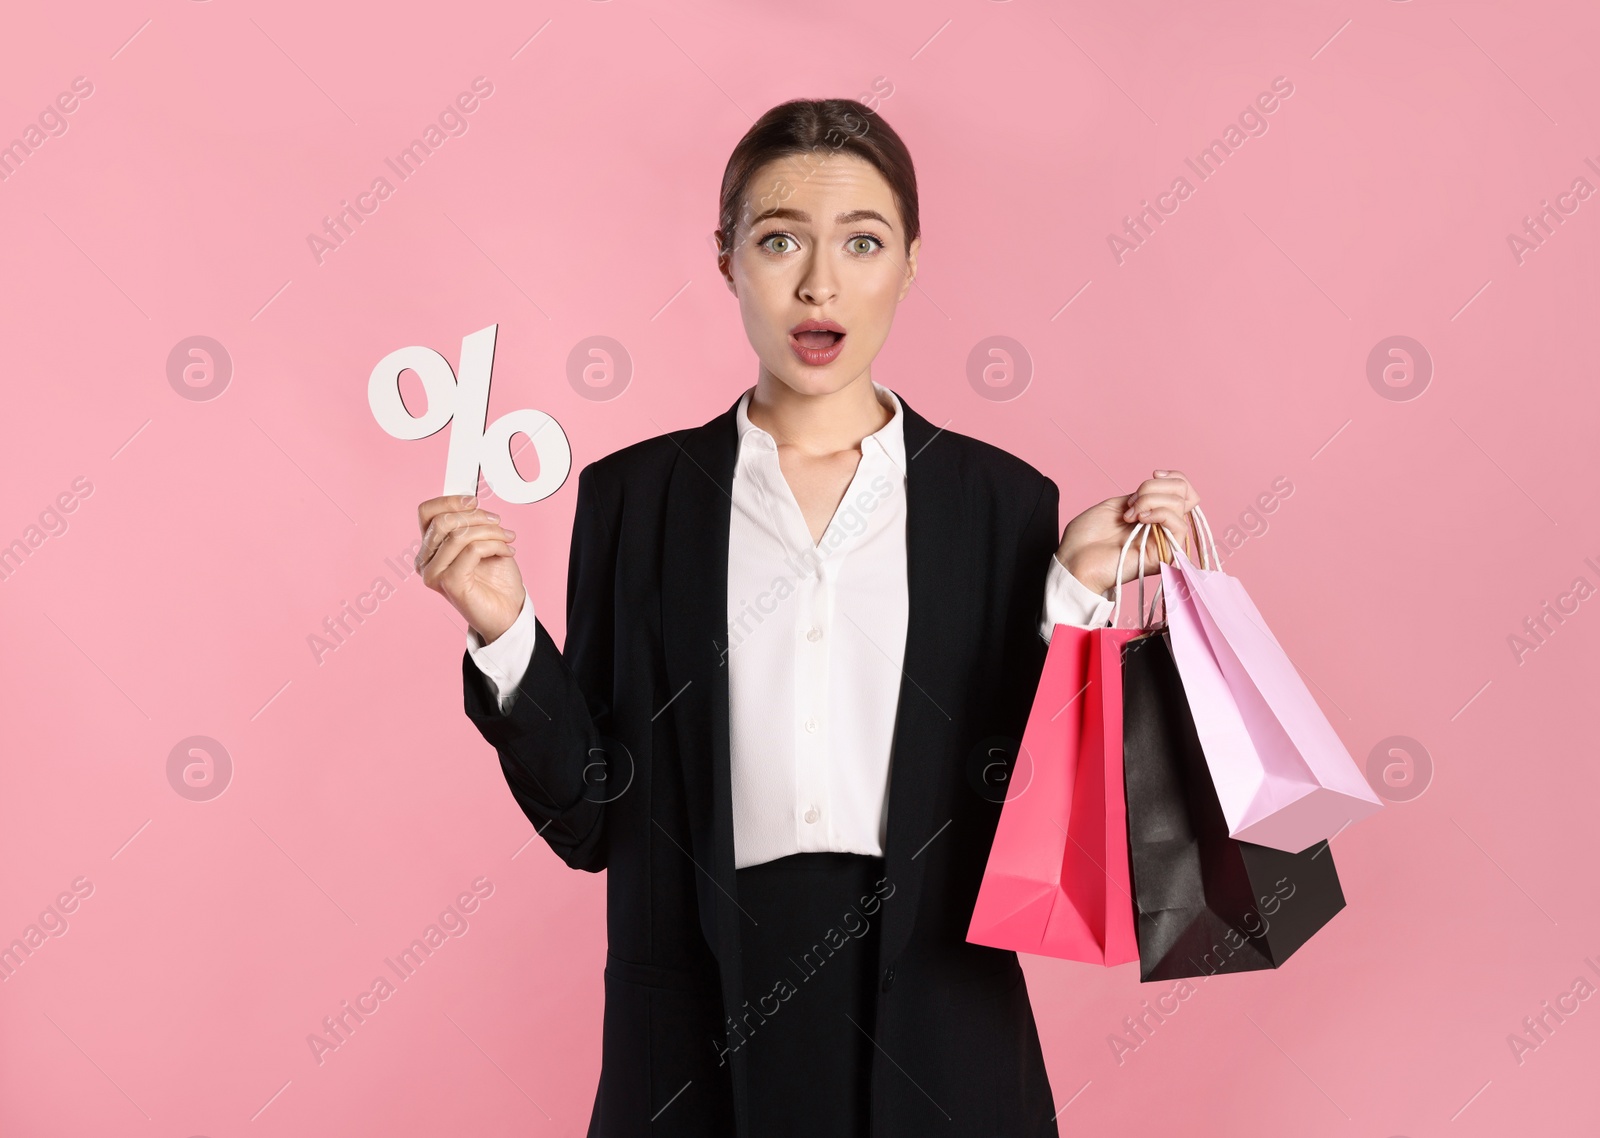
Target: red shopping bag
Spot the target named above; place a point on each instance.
(1057, 880)
(1056, 883)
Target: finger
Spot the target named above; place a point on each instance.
(1176, 524)
(1176, 488)
(444, 524)
(457, 558)
(464, 528)
(1175, 483)
(1172, 526)
(1146, 503)
(433, 507)
(1174, 521)
(1148, 486)
(439, 562)
(1164, 475)
(477, 552)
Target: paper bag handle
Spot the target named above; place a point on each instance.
(1142, 531)
(1204, 528)
(1166, 541)
(1197, 526)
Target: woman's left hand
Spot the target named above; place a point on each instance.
(1093, 540)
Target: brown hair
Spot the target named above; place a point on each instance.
(820, 128)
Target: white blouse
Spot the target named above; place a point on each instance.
(816, 634)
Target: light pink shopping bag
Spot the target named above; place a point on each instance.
(1282, 774)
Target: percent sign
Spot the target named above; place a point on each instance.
(466, 400)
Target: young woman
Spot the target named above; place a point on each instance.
(798, 637)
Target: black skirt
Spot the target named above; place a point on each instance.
(810, 950)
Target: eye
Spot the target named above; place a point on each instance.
(776, 236)
(866, 237)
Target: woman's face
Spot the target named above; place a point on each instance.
(824, 242)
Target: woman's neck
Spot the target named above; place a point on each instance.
(818, 424)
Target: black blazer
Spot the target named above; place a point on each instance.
(617, 749)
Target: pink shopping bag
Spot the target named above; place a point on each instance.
(1282, 775)
(1056, 883)
(1057, 880)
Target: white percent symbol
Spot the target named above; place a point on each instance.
(466, 400)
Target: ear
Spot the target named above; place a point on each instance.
(911, 269)
(724, 261)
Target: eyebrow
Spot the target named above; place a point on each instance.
(802, 216)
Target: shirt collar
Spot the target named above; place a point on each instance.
(889, 439)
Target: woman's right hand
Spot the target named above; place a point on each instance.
(467, 556)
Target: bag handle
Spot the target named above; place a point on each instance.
(1198, 525)
(1142, 531)
(1166, 541)
(1204, 528)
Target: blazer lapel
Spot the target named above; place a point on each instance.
(694, 623)
(694, 630)
(928, 676)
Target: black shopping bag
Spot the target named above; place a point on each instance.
(1204, 903)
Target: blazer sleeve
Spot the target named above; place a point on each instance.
(1025, 645)
(551, 739)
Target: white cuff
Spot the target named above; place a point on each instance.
(505, 660)
(1068, 600)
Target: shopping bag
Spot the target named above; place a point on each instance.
(1206, 902)
(1282, 775)
(1056, 882)
(1057, 879)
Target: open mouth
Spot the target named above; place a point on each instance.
(818, 340)
(816, 346)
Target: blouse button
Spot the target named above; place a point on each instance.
(811, 724)
(811, 815)
(814, 634)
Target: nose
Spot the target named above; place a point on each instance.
(818, 284)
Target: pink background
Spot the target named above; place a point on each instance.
(209, 539)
